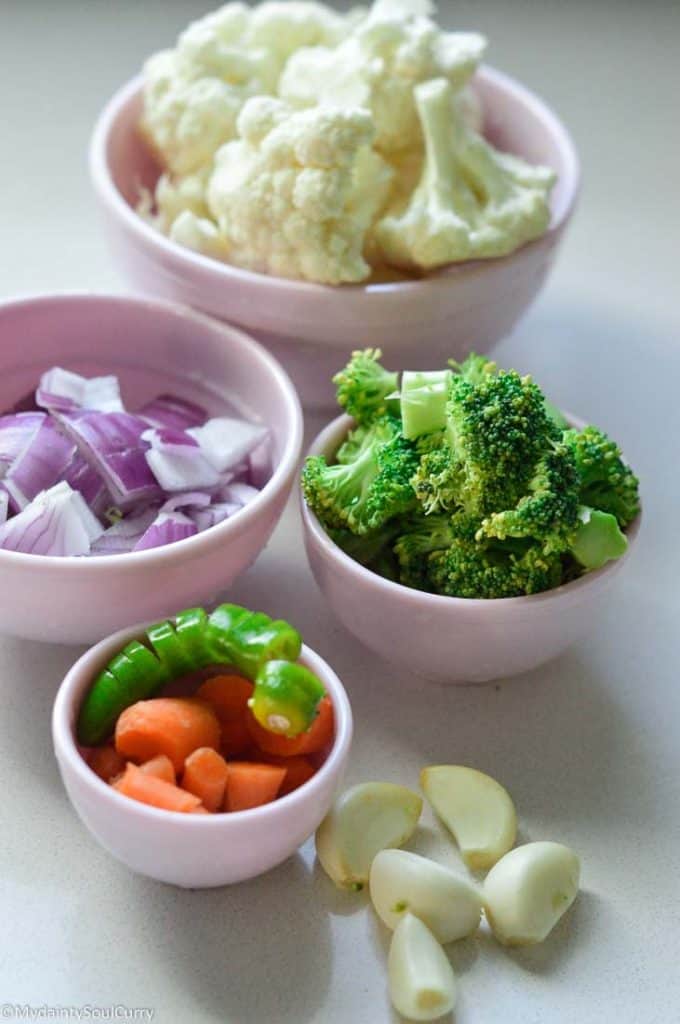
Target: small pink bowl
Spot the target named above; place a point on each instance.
(153, 348)
(193, 851)
(450, 639)
(313, 328)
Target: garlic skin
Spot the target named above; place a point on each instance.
(421, 981)
(475, 808)
(529, 890)
(403, 882)
(366, 819)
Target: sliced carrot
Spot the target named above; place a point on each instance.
(298, 770)
(106, 762)
(205, 775)
(228, 695)
(149, 789)
(175, 726)
(318, 736)
(251, 785)
(160, 766)
(199, 810)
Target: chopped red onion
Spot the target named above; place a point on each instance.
(63, 391)
(112, 444)
(182, 470)
(124, 534)
(57, 522)
(225, 441)
(171, 411)
(40, 464)
(16, 432)
(189, 499)
(167, 528)
(4, 504)
(238, 492)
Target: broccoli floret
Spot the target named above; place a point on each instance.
(362, 495)
(363, 385)
(598, 539)
(548, 512)
(369, 547)
(474, 367)
(422, 535)
(606, 482)
(382, 429)
(470, 569)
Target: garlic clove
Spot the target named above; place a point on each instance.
(422, 984)
(403, 882)
(529, 890)
(366, 819)
(475, 808)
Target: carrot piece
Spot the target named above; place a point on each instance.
(251, 785)
(228, 695)
(106, 762)
(205, 775)
(175, 726)
(200, 810)
(160, 766)
(298, 770)
(318, 736)
(149, 789)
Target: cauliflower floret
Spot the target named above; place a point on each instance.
(378, 65)
(194, 92)
(199, 234)
(296, 193)
(472, 202)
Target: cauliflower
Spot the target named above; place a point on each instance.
(296, 193)
(193, 93)
(378, 65)
(472, 202)
(199, 234)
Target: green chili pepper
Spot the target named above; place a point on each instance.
(231, 635)
(286, 698)
(132, 675)
(190, 629)
(247, 640)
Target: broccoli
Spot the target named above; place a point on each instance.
(548, 512)
(363, 494)
(474, 367)
(363, 385)
(420, 537)
(606, 482)
(470, 569)
(598, 539)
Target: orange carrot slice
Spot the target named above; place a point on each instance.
(205, 775)
(228, 695)
(252, 785)
(160, 766)
(174, 726)
(106, 762)
(298, 770)
(318, 736)
(148, 789)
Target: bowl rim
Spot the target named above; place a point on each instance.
(109, 194)
(199, 543)
(76, 682)
(334, 431)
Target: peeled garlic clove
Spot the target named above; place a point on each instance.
(366, 819)
(475, 808)
(529, 890)
(422, 984)
(402, 882)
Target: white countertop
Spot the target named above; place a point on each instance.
(588, 746)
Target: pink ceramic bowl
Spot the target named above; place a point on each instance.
(194, 851)
(450, 639)
(312, 328)
(154, 348)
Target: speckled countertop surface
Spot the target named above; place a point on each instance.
(589, 746)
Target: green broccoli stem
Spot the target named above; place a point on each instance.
(598, 539)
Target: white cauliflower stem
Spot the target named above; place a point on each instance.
(472, 202)
(378, 65)
(291, 196)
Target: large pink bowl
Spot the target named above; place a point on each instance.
(450, 639)
(185, 849)
(313, 328)
(154, 348)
